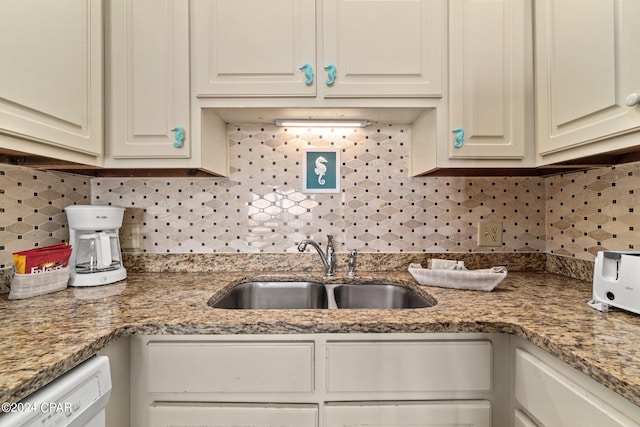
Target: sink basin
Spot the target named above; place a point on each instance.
(281, 295)
(274, 295)
(377, 296)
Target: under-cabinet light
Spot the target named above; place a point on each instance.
(321, 123)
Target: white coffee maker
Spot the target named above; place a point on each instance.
(94, 236)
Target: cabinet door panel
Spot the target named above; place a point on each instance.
(424, 366)
(228, 415)
(557, 401)
(253, 47)
(586, 66)
(418, 414)
(51, 68)
(148, 78)
(230, 367)
(384, 48)
(491, 81)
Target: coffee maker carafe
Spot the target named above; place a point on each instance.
(93, 234)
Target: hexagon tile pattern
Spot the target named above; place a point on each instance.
(594, 210)
(260, 207)
(31, 207)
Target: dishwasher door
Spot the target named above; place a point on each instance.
(75, 399)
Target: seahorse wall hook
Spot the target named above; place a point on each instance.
(179, 142)
(308, 74)
(459, 137)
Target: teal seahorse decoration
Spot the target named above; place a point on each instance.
(179, 142)
(331, 71)
(459, 137)
(308, 74)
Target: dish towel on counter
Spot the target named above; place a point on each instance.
(477, 280)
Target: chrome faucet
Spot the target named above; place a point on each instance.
(328, 259)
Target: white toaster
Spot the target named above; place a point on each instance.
(616, 281)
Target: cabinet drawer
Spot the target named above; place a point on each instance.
(230, 367)
(555, 400)
(226, 415)
(409, 366)
(451, 414)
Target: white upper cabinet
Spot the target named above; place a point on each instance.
(383, 48)
(51, 85)
(491, 79)
(149, 125)
(489, 123)
(148, 79)
(587, 65)
(254, 47)
(347, 48)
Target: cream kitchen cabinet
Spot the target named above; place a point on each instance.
(51, 101)
(319, 379)
(410, 414)
(551, 393)
(587, 69)
(490, 78)
(148, 79)
(232, 415)
(490, 103)
(148, 91)
(332, 48)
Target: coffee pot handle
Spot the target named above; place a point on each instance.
(105, 250)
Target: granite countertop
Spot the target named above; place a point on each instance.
(45, 336)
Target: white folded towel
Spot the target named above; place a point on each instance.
(477, 280)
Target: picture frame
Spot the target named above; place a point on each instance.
(321, 170)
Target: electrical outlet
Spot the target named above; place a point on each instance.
(489, 234)
(130, 236)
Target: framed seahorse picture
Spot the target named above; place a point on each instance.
(321, 170)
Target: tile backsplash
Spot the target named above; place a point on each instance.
(260, 207)
(593, 210)
(31, 207)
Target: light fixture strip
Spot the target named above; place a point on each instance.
(321, 123)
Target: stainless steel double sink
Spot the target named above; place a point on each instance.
(314, 295)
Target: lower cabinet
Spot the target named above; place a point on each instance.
(410, 414)
(319, 380)
(374, 380)
(549, 393)
(232, 415)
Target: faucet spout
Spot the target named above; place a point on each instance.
(328, 259)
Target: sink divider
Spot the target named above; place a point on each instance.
(331, 298)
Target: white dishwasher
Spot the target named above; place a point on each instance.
(76, 398)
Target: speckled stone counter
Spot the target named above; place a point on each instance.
(45, 336)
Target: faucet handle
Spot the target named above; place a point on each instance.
(329, 242)
(352, 263)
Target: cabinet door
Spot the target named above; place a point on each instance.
(148, 78)
(587, 63)
(51, 68)
(384, 48)
(250, 367)
(253, 47)
(555, 400)
(229, 415)
(428, 366)
(414, 414)
(491, 78)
